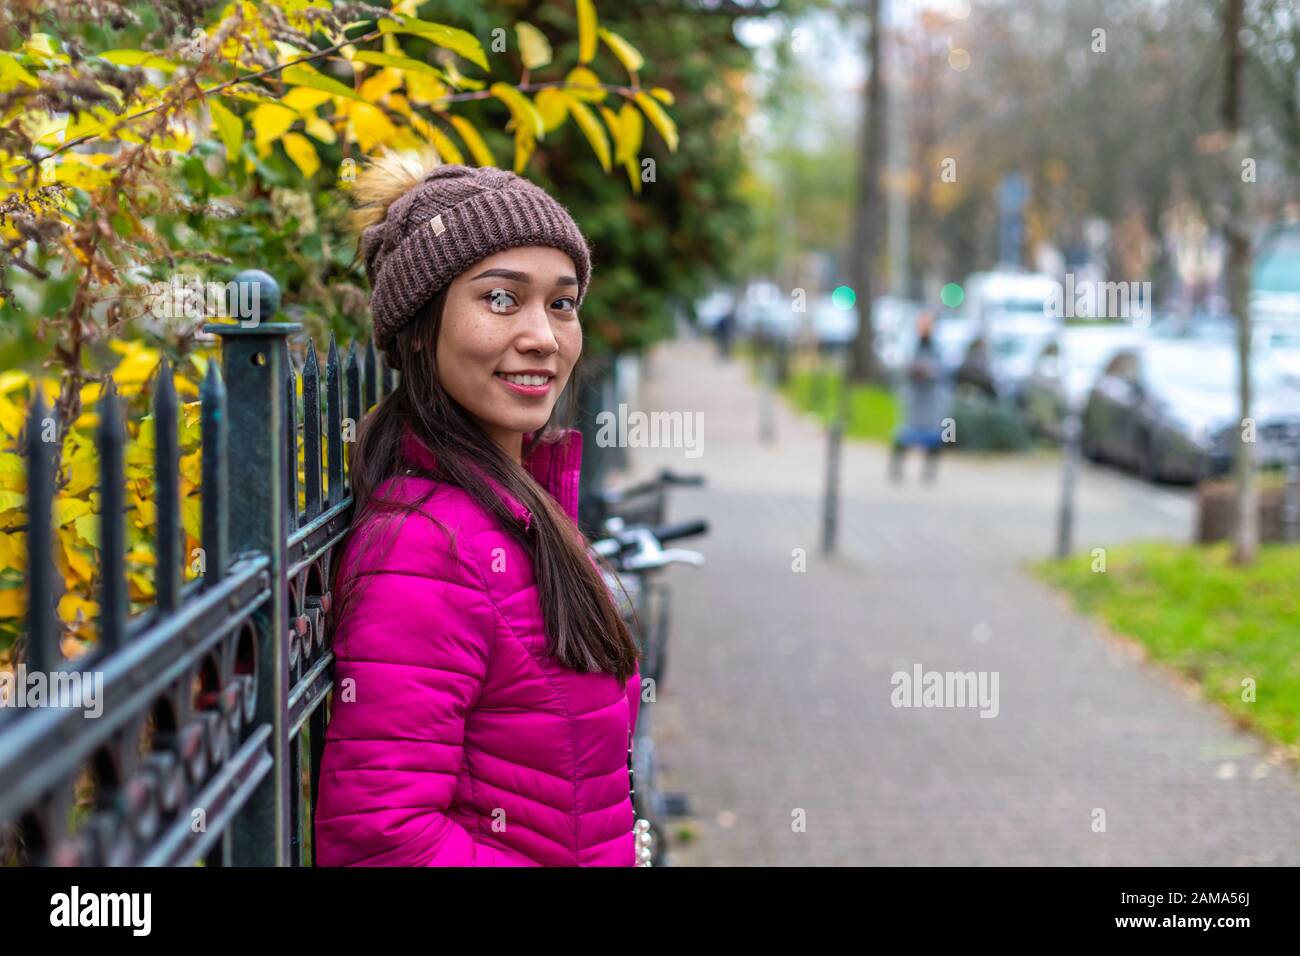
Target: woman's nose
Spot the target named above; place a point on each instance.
(537, 334)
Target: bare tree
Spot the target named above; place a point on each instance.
(868, 214)
(1237, 231)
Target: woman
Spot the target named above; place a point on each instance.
(485, 687)
(923, 426)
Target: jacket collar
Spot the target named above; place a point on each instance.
(555, 462)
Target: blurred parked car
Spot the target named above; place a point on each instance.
(1009, 294)
(1058, 378)
(1168, 410)
(1000, 360)
(833, 327)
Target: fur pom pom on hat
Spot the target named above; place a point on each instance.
(423, 224)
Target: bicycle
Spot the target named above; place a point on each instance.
(636, 553)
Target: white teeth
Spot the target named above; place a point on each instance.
(526, 379)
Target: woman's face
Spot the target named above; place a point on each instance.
(512, 314)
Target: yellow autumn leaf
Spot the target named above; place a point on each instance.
(591, 128)
(525, 144)
(627, 54)
(230, 128)
(586, 31)
(534, 48)
(270, 122)
(615, 131)
(663, 95)
(521, 108)
(375, 87)
(473, 141)
(74, 559)
(13, 472)
(585, 85)
(320, 129)
(11, 380)
(425, 89)
(370, 127)
(71, 605)
(441, 141)
(632, 125)
(11, 417)
(13, 551)
(660, 120)
(304, 99)
(192, 517)
(67, 510)
(302, 152)
(13, 602)
(553, 105)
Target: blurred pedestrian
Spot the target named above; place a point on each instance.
(723, 330)
(922, 426)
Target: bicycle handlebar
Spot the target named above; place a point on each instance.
(680, 529)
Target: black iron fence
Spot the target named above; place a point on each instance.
(203, 742)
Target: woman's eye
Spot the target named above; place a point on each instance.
(501, 299)
(571, 307)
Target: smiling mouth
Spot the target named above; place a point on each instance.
(526, 380)
(528, 386)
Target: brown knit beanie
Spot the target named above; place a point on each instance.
(457, 216)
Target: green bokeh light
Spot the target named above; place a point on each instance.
(952, 295)
(844, 297)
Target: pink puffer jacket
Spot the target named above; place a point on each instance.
(455, 740)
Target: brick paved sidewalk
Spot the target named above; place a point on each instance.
(778, 693)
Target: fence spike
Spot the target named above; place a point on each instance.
(215, 490)
(291, 437)
(42, 623)
(167, 575)
(354, 386)
(372, 376)
(334, 422)
(112, 523)
(311, 449)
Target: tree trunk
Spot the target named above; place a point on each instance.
(1246, 533)
(868, 212)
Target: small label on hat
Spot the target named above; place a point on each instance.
(436, 225)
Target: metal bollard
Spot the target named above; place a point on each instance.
(830, 509)
(1069, 468)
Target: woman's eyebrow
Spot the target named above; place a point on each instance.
(523, 277)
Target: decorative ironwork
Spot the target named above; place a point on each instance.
(212, 704)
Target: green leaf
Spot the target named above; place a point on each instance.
(141, 58)
(302, 75)
(458, 41)
(534, 48)
(375, 58)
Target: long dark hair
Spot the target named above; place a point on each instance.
(584, 630)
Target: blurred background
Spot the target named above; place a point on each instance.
(971, 329)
